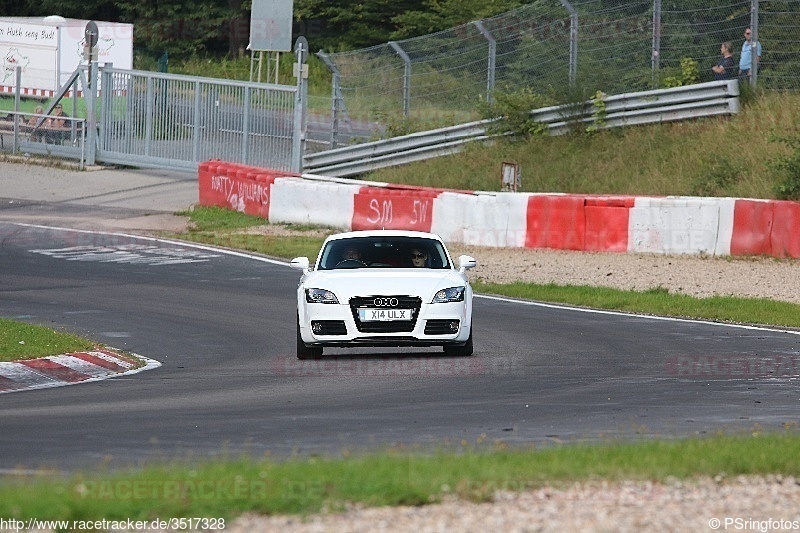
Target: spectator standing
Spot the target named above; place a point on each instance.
(747, 60)
(723, 70)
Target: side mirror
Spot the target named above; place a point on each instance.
(465, 262)
(300, 263)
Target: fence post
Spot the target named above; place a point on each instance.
(492, 59)
(336, 100)
(91, 112)
(573, 42)
(301, 71)
(199, 121)
(246, 125)
(17, 100)
(104, 118)
(336, 97)
(656, 51)
(406, 77)
(754, 43)
(148, 119)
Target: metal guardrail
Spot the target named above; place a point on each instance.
(630, 109)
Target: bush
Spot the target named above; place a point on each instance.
(513, 109)
(688, 74)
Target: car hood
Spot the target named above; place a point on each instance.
(367, 282)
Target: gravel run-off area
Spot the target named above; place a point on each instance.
(705, 504)
(700, 276)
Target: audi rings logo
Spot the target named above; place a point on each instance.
(385, 302)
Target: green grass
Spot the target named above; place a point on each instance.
(216, 219)
(283, 247)
(394, 477)
(223, 227)
(19, 340)
(708, 157)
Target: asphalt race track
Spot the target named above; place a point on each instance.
(222, 325)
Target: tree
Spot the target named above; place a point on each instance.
(437, 15)
(80, 9)
(349, 24)
(181, 27)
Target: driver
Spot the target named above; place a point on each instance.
(351, 252)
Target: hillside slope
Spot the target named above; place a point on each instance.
(732, 156)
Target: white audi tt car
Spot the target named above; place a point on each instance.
(384, 288)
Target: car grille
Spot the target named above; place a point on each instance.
(403, 302)
(329, 327)
(440, 327)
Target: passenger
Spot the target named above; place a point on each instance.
(419, 258)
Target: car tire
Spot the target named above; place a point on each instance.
(306, 352)
(463, 350)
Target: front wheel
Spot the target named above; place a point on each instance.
(306, 352)
(460, 351)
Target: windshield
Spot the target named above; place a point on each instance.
(383, 252)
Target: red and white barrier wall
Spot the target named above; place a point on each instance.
(661, 225)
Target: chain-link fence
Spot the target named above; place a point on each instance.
(560, 49)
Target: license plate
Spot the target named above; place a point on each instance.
(383, 315)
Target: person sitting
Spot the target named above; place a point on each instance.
(36, 120)
(57, 130)
(351, 252)
(351, 258)
(419, 258)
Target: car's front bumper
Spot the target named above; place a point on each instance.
(337, 325)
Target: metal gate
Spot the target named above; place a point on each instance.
(166, 120)
(160, 120)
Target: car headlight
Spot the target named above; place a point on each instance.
(320, 296)
(453, 294)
